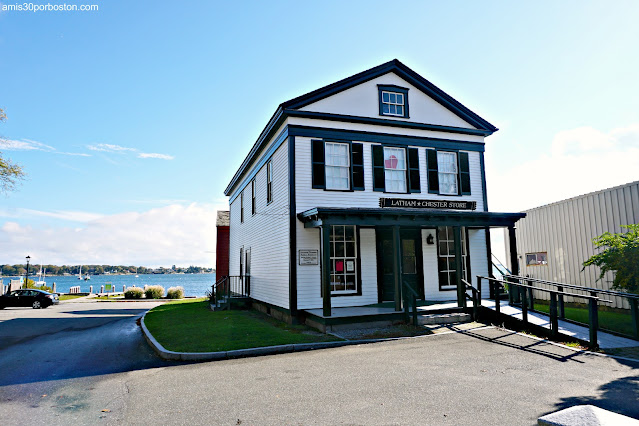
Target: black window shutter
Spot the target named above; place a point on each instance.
(357, 166)
(379, 183)
(464, 173)
(317, 158)
(433, 174)
(413, 171)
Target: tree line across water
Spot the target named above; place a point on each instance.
(16, 270)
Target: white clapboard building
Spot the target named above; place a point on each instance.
(365, 191)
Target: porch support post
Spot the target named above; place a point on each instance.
(514, 261)
(397, 264)
(326, 269)
(461, 289)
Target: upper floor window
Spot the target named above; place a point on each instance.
(337, 165)
(393, 101)
(242, 207)
(253, 201)
(269, 182)
(448, 172)
(395, 169)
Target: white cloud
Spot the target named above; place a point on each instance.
(67, 215)
(580, 160)
(154, 155)
(24, 145)
(107, 147)
(29, 145)
(175, 234)
(78, 154)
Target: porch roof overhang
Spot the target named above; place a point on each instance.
(321, 216)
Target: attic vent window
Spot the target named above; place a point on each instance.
(393, 101)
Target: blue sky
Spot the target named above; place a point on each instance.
(162, 101)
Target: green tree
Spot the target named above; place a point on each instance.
(10, 173)
(620, 254)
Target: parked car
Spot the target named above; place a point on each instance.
(37, 299)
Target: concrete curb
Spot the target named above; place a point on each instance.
(251, 352)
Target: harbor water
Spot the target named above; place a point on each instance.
(193, 284)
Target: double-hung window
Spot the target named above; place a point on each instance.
(253, 200)
(446, 257)
(242, 207)
(343, 248)
(337, 166)
(393, 101)
(447, 170)
(269, 182)
(395, 169)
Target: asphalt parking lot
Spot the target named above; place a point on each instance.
(481, 376)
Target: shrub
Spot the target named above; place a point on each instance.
(154, 292)
(175, 293)
(133, 293)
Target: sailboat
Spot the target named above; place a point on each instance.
(41, 276)
(80, 273)
(136, 272)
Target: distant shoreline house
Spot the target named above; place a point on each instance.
(359, 193)
(555, 239)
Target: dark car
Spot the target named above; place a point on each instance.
(37, 299)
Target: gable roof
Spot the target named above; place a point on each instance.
(407, 74)
(290, 107)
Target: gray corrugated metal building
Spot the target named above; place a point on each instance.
(554, 240)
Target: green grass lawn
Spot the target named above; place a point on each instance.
(608, 319)
(120, 297)
(68, 296)
(189, 326)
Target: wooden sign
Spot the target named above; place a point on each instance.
(309, 257)
(402, 203)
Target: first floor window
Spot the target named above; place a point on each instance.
(447, 168)
(395, 169)
(343, 259)
(338, 167)
(446, 257)
(536, 259)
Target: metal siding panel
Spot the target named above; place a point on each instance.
(635, 202)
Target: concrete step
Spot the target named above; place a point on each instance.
(430, 319)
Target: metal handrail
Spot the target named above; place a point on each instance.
(576, 287)
(593, 317)
(558, 292)
(500, 264)
(413, 300)
(475, 297)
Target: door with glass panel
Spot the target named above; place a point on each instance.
(411, 263)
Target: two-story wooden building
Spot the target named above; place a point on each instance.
(360, 192)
